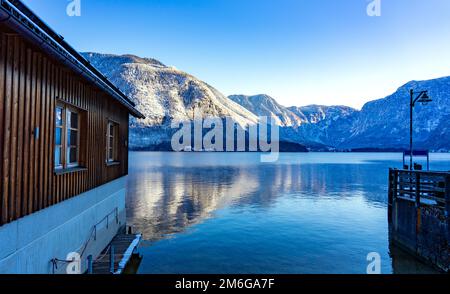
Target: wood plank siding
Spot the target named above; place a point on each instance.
(31, 85)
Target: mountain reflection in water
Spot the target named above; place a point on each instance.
(318, 204)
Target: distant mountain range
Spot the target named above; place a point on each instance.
(165, 93)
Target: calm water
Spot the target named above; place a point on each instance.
(229, 213)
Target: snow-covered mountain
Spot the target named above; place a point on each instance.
(316, 126)
(165, 93)
(315, 114)
(325, 125)
(264, 105)
(162, 94)
(384, 123)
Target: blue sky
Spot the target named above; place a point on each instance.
(298, 51)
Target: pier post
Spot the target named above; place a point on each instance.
(394, 199)
(418, 205)
(90, 261)
(391, 195)
(447, 204)
(111, 259)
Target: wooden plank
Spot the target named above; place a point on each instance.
(83, 136)
(14, 129)
(7, 131)
(51, 142)
(91, 151)
(2, 89)
(58, 94)
(3, 218)
(50, 131)
(48, 135)
(44, 136)
(43, 133)
(27, 135)
(31, 183)
(20, 132)
(52, 171)
(38, 141)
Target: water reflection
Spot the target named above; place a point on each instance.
(319, 205)
(168, 200)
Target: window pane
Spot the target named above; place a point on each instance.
(59, 120)
(72, 138)
(111, 129)
(74, 120)
(58, 133)
(111, 142)
(57, 156)
(68, 119)
(111, 154)
(72, 155)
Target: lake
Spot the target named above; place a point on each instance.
(229, 213)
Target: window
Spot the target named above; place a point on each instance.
(59, 137)
(72, 138)
(67, 137)
(112, 142)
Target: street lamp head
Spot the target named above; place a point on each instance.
(424, 98)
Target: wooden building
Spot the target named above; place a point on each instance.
(63, 131)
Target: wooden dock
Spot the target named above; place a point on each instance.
(116, 256)
(419, 214)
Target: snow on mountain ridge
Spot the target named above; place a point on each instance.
(314, 114)
(173, 91)
(385, 122)
(264, 105)
(164, 93)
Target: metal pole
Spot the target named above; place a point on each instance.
(411, 106)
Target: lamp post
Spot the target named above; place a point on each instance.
(421, 97)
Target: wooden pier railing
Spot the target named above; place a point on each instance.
(420, 186)
(419, 208)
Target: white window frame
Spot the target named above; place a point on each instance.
(59, 146)
(115, 142)
(65, 149)
(69, 111)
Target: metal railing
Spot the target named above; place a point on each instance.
(92, 237)
(422, 187)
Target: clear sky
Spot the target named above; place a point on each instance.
(298, 51)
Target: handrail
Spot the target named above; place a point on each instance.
(418, 185)
(93, 233)
(437, 173)
(94, 228)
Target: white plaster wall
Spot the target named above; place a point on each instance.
(28, 245)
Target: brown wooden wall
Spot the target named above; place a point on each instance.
(30, 84)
